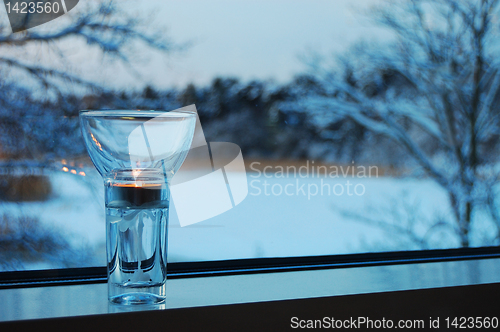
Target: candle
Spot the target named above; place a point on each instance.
(136, 195)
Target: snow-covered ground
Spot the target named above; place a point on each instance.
(266, 223)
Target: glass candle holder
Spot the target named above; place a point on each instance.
(137, 153)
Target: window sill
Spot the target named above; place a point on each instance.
(91, 299)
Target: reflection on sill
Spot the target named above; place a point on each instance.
(113, 308)
(76, 300)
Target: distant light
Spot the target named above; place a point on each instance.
(65, 169)
(63, 162)
(81, 173)
(73, 171)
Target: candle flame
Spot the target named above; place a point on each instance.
(65, 169)
(139, 184)
(81, 173)
(73, 171)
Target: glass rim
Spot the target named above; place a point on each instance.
(136, 113)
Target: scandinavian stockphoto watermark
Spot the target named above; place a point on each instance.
(309, 180)
(26, 14)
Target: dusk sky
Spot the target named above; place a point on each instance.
(258, 38)
(247, 39)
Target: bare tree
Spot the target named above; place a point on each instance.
(433, 90)
(39, 113)
(36, 98)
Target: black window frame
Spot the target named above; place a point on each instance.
(178, 270)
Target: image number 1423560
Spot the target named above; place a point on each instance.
(26, 14)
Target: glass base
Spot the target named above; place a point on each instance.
(137, 298)
(136, 244)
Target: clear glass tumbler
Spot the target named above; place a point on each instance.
(137, 153)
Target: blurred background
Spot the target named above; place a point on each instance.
(389, 108)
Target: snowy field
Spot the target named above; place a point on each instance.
(266, 223)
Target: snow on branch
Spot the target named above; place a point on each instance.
(103, 25)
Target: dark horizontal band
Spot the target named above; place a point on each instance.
(55, 277)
